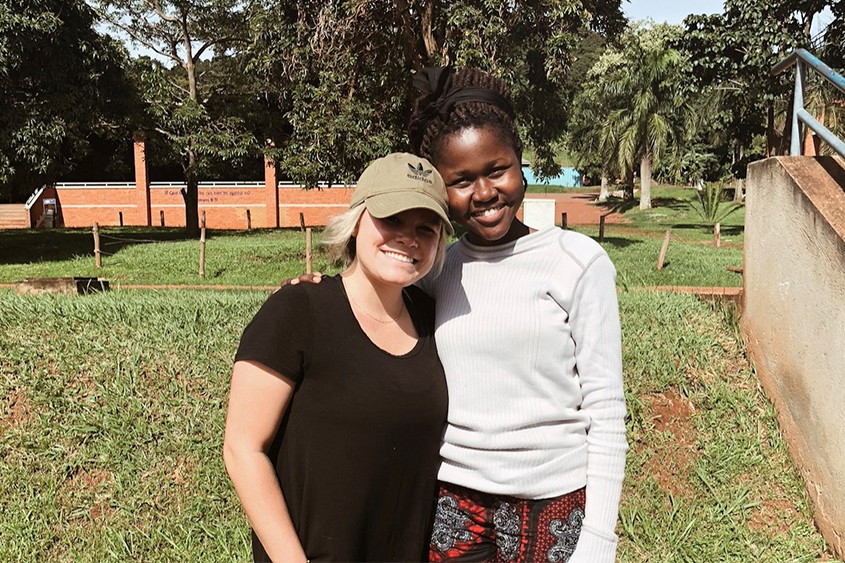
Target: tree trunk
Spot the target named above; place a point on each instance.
(738, 191)
(770, 130)
(427, 31)
(628, 189)
(190, 194)
(604, 193)
(645, 182)
(786, 136)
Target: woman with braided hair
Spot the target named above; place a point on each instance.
(527, 330)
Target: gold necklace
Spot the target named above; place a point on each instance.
(392, 318)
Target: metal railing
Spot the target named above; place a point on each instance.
(802, 59)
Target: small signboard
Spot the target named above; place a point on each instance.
(50, 201)
(539, 213)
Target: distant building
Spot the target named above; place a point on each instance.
(568, 177)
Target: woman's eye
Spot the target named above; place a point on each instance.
(496, 173)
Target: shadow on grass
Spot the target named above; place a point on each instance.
(622, 206)
(620, 242)
(726, 230)
(56, 245)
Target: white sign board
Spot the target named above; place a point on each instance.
(539, 213)
(51, 201)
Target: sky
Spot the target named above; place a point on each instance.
(674, 11)
(669, 11)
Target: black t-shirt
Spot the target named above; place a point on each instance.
(357, 451)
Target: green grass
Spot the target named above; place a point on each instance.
(710, 478)
(670, 209)
(265, 257)
(158, 256)
(686, 263)
(111, 428)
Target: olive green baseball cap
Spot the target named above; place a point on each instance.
(399, 182)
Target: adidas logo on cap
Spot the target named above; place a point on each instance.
(419, 173)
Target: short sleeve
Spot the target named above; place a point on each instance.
(279, 335)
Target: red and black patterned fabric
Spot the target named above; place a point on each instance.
(470, 526)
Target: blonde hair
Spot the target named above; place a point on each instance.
(339, 241)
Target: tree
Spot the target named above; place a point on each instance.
(177, 98)
(589, 139)
(62, 84)
(340, 71)
(640, 110)
(731, 56)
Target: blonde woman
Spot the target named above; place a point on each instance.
(338, 399)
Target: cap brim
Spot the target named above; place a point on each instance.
(385, 205)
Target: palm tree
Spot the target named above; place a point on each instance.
(651, 115)
(589, 140)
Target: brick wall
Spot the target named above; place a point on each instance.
(227, 205)
(316, 205)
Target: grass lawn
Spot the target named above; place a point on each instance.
(111, 427)
(671, 209)
(686, 263)
(265, 257)
(157, 256)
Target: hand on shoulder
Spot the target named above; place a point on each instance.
(316, 277)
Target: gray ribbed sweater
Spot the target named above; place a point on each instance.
(536, 405)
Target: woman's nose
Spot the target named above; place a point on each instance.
(483, 190)
(407, 236)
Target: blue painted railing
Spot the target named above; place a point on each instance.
(803, 59)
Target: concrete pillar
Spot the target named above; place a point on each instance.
(271, 189)
(142, 179)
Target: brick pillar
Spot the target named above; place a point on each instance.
(142, 179)
(271, 189)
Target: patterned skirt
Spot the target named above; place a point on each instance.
(479, 527)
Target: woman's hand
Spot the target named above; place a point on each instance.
(316, 277)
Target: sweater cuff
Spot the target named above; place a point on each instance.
(594, 546)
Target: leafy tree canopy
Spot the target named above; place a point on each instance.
(61, 83)
(339, 72)
(732, 55)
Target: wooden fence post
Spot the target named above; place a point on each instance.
(202, 245)
(302, 222)
(120, 217)
(248, 221)
(601, 228)
(161, 214)
(98, 260)
(563, 221)
(663, 249)
(717, 235)
(308, 250)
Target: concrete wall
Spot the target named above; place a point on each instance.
(794, 317)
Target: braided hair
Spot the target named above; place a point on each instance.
(428, 135)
